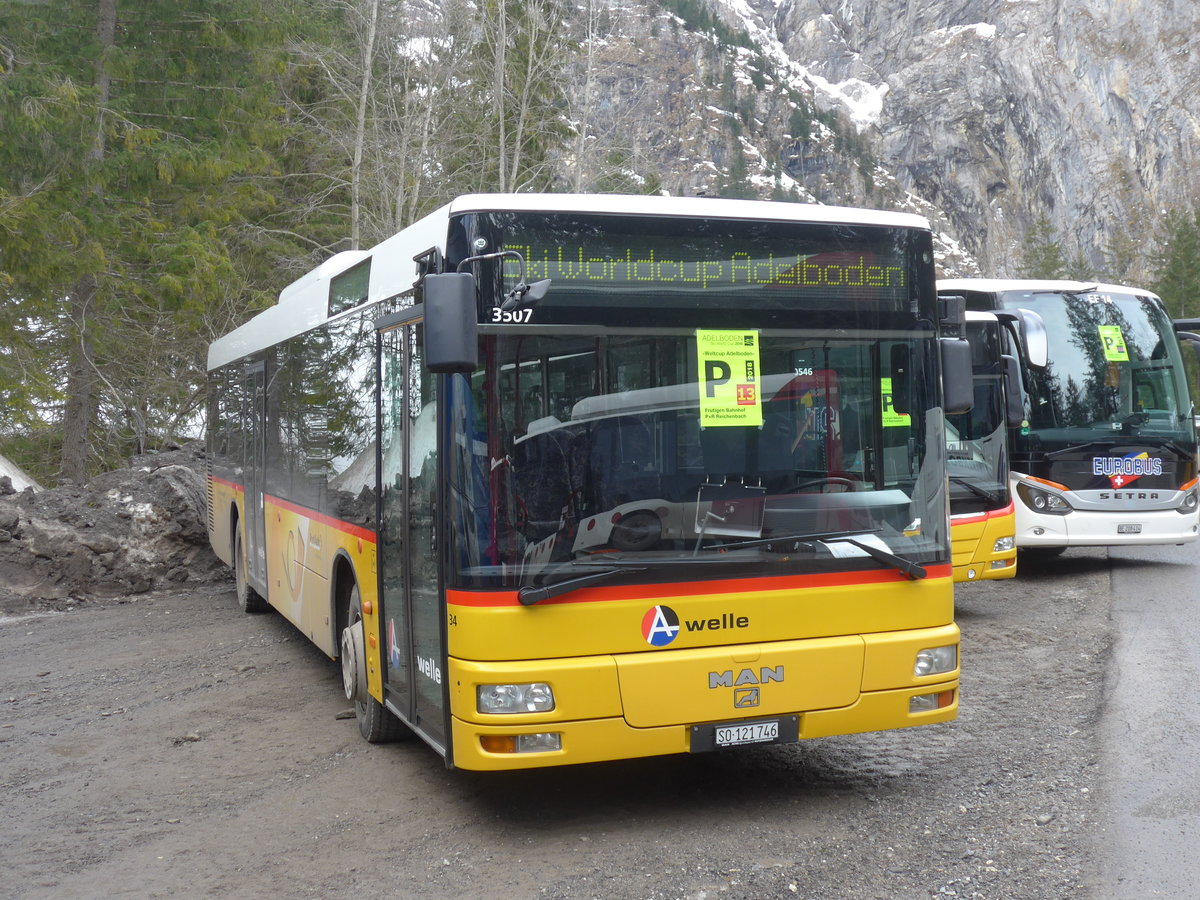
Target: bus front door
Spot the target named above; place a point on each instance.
(412, 612)
(254, 474)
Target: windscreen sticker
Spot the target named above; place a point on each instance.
(729, 378)
(1114, 343)
(891, 418)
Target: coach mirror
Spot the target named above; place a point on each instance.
(958, 390)
(1033, 336)
(1014, 404)
(451, 324)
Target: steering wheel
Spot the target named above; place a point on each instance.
(846, 483)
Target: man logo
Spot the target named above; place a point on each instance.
(745, 697)
(660, 626)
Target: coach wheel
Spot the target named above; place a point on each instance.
(375, 722)
(247, 597)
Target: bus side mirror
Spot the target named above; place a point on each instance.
(1014, 408)
(958, 386)
(451, 323)
(1192, 340)
(1034, 339)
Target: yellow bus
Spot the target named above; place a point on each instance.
(982, 514)
(569, 478)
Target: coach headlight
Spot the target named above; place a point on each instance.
(1189, 503)
(1043, 501)
(495, 699)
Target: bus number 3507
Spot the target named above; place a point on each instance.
(514, 316)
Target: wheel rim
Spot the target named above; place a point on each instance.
(354, 674)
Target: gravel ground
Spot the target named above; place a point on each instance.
(169, 744)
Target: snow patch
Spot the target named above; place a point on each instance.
(982, 31)
(20, 480)
(863, 101)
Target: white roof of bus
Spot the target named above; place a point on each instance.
(996, 285)
(303, 304)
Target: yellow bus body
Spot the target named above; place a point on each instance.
(973, 539)
(643, 701)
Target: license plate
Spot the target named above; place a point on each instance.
(1129, 529)
(738, 734)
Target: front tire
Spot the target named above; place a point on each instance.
(248, 598)
(375, 721)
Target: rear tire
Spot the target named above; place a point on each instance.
(248, 598)
(376, 722)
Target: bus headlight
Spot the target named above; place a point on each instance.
(1003, 545)
(936, 660)
(496, 699)
(1043, 501)
(1189, 503)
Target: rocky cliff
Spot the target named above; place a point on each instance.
(981, 114)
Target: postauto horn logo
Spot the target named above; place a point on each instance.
(660, 626)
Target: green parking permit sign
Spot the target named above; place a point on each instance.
(729, 378)
(891, 418)
(1114, 343)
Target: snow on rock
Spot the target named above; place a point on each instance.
(17, 478)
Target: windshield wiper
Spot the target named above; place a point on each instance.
(1076, 448)
(1165, 443)
(911, 569)
(992, 497)
(530, 595)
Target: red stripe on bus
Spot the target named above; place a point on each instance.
(972, 518)
(694, 588)
(345, 527)
(229, 484)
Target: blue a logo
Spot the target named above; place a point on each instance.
(660, 626)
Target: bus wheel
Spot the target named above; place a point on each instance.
(247, 597)
(375, 721)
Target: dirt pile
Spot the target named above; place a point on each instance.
(124, 532)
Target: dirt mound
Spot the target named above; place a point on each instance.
(125, 532)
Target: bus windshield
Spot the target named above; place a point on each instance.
(1114, 370)
(709, 394)
(975, 441)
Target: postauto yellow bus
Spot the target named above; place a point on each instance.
(565, 478)
(982, 514)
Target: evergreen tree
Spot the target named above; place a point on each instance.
(1041, 253)
(1177, 278)
(135, 202)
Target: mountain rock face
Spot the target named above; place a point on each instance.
(982, 114)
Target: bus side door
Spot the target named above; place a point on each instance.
(255, 396)
(412, 609)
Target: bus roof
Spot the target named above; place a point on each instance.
(304, 304)
(997, 285)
